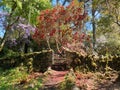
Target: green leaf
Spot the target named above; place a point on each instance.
(19, 4)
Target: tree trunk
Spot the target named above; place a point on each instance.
(64, 2)
(94, 28)
(57, 45)
(26, 48)
(48, 43)
(2, 43)
(57, 1)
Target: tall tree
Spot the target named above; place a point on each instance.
(93, 8)
(108, 25)
(113, 8)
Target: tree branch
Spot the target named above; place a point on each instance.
(64, 2)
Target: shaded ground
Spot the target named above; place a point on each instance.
(53, 78)
(89, 81)
(17, 79)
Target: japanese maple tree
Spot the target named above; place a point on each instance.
(61, 23)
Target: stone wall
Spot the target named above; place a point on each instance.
(40, 61)
(93, 62)
(37, 61)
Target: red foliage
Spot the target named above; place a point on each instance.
(58, 22)
(52, 32)
(76, 36)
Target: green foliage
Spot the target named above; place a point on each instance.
(8, 53)
(29, 64)
(28, 9)
(68, 83)
(108, 26)
(105, 21)
(33, 7)
(34, 84)
(111, 44)
(110, 47)
(19, 4)
(9, 78)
